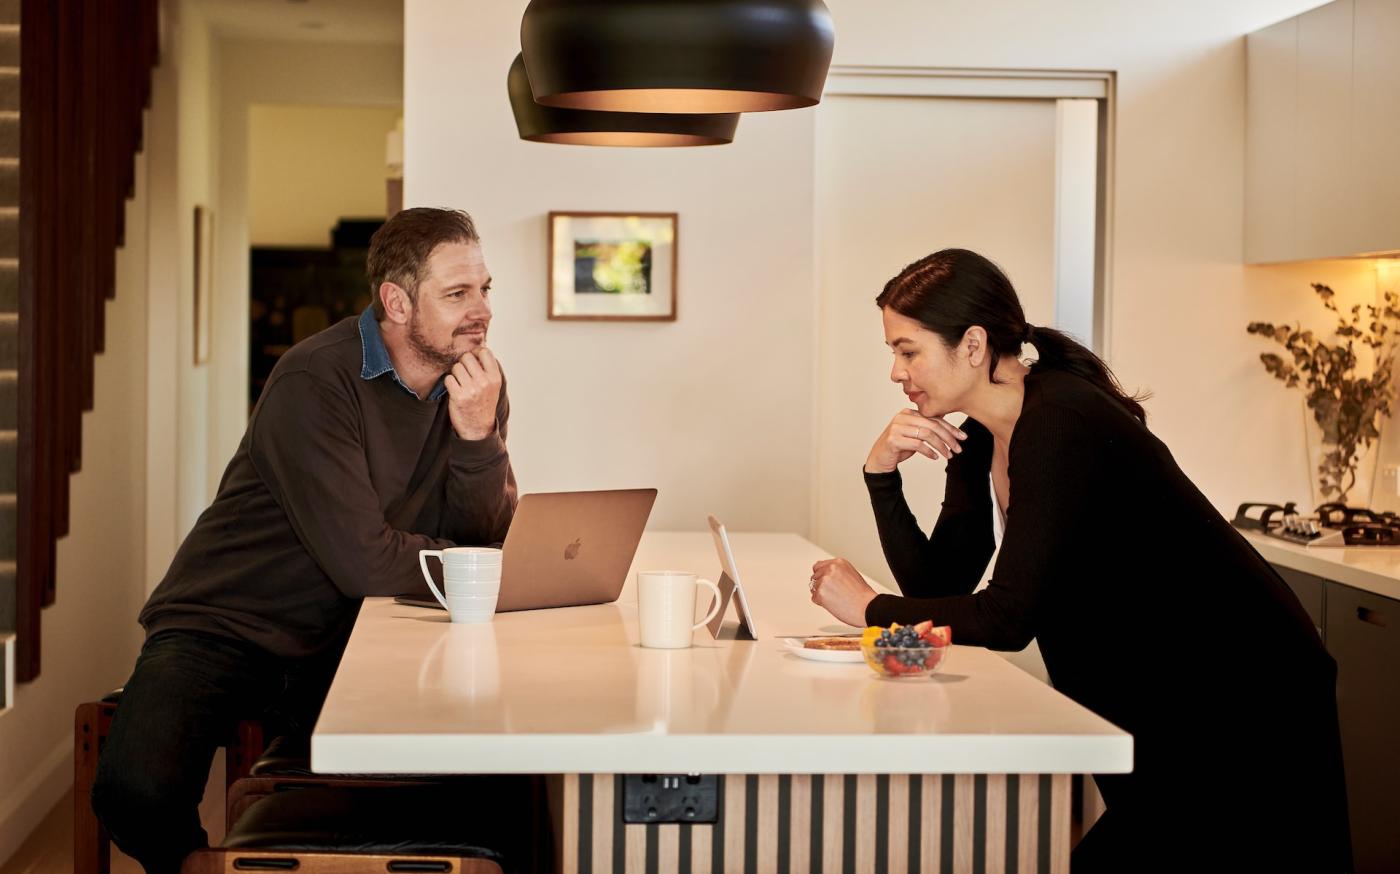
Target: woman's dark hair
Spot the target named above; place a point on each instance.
(954, 289)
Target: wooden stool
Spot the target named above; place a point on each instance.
(362, 828)
(92, 851)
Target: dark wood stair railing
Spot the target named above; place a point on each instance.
(84, 81)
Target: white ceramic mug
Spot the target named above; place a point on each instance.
(472, 577)
(666, 607)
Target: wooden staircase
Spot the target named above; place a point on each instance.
(9, 329)
(75, 77)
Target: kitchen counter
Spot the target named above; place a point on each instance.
(571, 690)
(1368, 568)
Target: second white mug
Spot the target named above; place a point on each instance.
(666, 607)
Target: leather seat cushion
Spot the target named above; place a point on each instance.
(397, 820)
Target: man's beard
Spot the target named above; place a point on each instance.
(440, 357)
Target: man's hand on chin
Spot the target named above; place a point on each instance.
(473, 390)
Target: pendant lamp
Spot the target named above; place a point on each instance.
(677, 56)
(585, 127)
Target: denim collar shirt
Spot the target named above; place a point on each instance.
(376, 361)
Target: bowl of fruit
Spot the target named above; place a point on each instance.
(905, 651)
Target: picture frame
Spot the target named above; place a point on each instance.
(613, 266)
(203, 282)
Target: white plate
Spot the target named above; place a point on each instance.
(822, 655)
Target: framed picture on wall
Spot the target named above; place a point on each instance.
(612, 266)
(203, 280)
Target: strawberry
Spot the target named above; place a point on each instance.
(922, 628)
(941, 635)
(892, 665)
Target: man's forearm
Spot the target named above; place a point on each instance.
(481, 492)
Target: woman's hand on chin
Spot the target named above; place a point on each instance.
(908, 433)
(837, 586)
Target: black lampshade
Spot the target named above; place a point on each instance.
(677, 55)
(588, 127)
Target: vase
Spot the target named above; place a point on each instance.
(1334, 479)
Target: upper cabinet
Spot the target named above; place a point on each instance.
(1322, 159)
(1271, 148)
(1376, 123)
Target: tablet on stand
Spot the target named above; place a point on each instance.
(730, 588)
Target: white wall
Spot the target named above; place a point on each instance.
(265, 72)
(188, 72)
(309, 166)
(713, 409)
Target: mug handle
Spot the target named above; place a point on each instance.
(423, 563)
(714, 605)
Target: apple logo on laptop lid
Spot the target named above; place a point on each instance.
(571, 551)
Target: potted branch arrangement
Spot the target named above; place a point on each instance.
(1347, 407)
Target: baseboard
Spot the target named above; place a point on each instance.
(25, 806)
(7, 671)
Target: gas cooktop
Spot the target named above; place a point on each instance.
(1329, 525)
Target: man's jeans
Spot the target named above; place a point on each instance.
(184, 700)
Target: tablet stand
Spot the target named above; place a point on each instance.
(730, 591)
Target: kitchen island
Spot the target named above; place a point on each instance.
(819, 764)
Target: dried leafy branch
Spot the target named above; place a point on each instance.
(1346, 405)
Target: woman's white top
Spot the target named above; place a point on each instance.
(998, 514)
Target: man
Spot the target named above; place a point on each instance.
(372, 440)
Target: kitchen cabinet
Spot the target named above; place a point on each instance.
(1376, 123)
(1363, 635)
(1325, 204)
(1362, 632)
(1271, 119)
(1321, 175)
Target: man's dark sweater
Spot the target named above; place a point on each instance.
(338, 483)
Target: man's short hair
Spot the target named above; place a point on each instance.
(399, 250)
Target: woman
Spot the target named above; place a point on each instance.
(1148, 607)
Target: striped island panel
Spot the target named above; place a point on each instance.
(827, 824)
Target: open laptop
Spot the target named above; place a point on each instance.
(567, 549)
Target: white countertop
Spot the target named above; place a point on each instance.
(1369, 568)
(571, 691)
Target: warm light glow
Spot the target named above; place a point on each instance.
(674, 100)
(626, 138)
(1387, 275)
